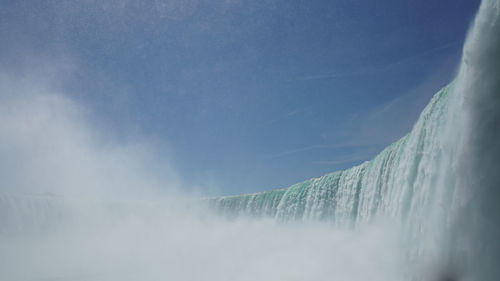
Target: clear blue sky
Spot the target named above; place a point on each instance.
(245, 96)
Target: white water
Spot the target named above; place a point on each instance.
(427, 201)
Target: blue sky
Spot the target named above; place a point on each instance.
(244, 96)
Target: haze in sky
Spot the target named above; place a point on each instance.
(235, 96)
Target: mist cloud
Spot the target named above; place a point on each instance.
(72, 207)
(51, 144)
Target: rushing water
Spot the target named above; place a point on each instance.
(441, 181)
(430, 197)
(398, 182)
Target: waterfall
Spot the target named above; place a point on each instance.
(440, 184)
(441, 181)
(388, 184)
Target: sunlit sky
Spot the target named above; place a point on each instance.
(244, 96)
